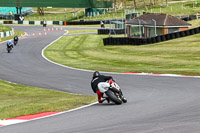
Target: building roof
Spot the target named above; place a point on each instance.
(160, 19)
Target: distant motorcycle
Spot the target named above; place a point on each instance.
(114, 93)
(9, 47)
(15, 42)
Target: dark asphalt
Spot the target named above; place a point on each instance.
(155, 104)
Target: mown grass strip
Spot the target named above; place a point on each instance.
(178, 56)
(18, 100)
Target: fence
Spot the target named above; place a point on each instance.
(81, 22)
(144, 41)
(52, 22)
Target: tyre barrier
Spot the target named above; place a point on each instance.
(177, 35)
(192, 32)
(144, 41)
(182, 33)
(187, 32)
(82, 22)
(158, 39)
(172, 36)
(188, 18)
(113, 31)
(197, 30)
(163, 38)
(149, 41)
(168, 37)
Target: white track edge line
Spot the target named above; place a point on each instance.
(138, 74)
(68, 111)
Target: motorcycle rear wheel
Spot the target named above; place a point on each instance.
(113, 97)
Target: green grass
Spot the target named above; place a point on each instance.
(18, 100)
(195, 23)
(80, 31)
(18, 33)
(176, 9)
(179, 56)
(4, 28)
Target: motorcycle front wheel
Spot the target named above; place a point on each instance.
(113, 97)
(8, 49)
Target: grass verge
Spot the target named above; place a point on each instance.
(81, 31)
(18, 100)
(178, 56)
(18, 33)
(4, 28)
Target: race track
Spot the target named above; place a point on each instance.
(156, 104)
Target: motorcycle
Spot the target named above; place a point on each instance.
(114, 93)
(9, 47)
(15, 42)
(102, 26)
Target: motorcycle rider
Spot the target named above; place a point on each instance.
(9, 44)
(98, 84)
(102, 24)
(16, 39)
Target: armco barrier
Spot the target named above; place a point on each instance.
(144, 41)
(81, 22)
(97, 22)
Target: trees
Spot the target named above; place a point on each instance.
(166, 2)
(134, 3)
(115, 5)
(40, 11)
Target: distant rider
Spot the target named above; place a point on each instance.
(98, 83)
(15, 40)
(102, 24)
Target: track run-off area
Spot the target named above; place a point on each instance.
(156, 104)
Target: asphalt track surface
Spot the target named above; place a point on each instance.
(156, 104)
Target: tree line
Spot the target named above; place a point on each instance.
(137, 3)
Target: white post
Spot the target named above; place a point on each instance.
(139, 26)
(155, 26)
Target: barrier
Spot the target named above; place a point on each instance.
(197, 30)
(182, 33)
(163, 38)
(177, 35)
(113, 31)
(192, 32)
(187, 32)
(7, 33)
(144, 41)
(158, 39)
(172, 36)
